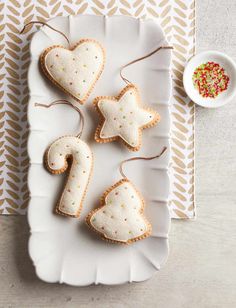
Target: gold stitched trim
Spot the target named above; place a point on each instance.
(77, 215)
(102, 204)
(48, 75)
(152, 123)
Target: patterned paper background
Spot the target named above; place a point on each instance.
(177, 18)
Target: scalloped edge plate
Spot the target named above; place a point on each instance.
(63, 249)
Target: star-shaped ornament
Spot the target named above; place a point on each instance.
(123, 117)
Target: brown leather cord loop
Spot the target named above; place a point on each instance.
(140, 59)
(138, 158)
(45, 24)
(65, 102)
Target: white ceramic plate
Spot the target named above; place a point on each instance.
(230, 68)
(64, 249)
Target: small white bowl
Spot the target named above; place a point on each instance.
(230, 69)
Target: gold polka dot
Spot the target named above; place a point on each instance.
(84, 171)
(102, 228)
(84, 65)
(71, 83)
(51, 66)
(130, 232)
(125, 219)
(112, 216)
(57, 55)
(73, 59)
(104, 212)
(68, 190)
(83, 80)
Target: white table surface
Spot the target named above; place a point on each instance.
(201, 270)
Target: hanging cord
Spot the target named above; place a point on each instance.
(140, 59)
(65, 102)
(44, 24)
(137, 158)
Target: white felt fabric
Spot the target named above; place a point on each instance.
(78, 178)
(124, 118)
(120, 219)
(76, 70)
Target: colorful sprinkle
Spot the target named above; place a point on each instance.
(210, 79)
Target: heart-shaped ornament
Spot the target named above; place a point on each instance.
(74, 70)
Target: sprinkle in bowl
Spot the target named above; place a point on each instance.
(210, 79)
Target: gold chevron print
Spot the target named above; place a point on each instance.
(177, 18)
